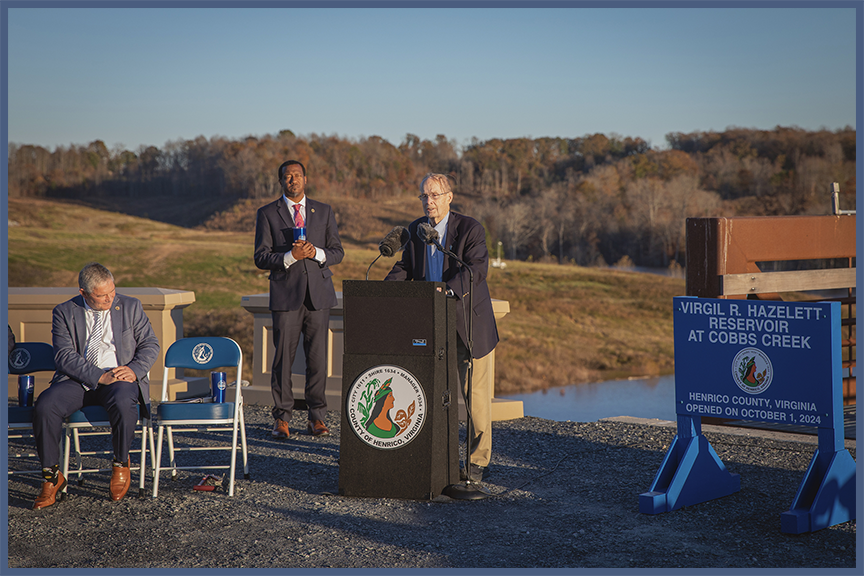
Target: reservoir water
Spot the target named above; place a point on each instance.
(639, 397)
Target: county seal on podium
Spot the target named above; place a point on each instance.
(386, 407)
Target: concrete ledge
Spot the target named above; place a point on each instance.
(259, 390)
(30, 313)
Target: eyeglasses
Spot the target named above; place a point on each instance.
(425, 197)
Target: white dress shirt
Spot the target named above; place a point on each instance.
(107, 358)
(289, 259)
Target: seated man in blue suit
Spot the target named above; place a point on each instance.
(104, 347)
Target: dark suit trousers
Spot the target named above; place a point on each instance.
(287, 327)
(61, 399)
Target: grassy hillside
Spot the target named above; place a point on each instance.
(567, 324)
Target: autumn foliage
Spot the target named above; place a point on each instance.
(589, 200)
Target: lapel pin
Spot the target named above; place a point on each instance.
(313, 210)
(116, 308)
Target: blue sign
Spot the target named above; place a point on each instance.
(764, 361)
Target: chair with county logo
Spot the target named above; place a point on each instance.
(25, 359)
(201, 353)
(29, 357)
(94, 421)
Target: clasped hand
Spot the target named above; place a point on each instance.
(123, 373)
(302, 249)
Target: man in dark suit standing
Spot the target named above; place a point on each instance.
(466, 238)
(104, 347)
(301, 291)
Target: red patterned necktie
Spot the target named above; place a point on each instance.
(298, 218)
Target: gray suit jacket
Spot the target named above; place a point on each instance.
(274, 236)
(137, 345)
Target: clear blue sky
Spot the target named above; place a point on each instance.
(143, 76)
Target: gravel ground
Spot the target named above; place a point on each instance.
(565, 495)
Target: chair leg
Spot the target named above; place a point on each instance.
(157, 463)
(142, 469)
(243, 444)
(171, 455)
(152, 449)
(233, 467)
(65, 461)
(78, 458)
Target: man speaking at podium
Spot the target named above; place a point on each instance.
(466, 238)
(297, 240)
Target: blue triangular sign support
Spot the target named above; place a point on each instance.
(691, 472)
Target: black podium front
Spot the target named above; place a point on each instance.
(400, 427)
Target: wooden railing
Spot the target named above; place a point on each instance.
(726, 257)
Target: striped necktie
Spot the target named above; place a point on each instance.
(93, 343)
(298, 218)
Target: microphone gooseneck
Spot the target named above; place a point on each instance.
(370, 266)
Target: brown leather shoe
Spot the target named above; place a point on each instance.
(317, 428)
(49, 492)
(280, 429)
(121, 479)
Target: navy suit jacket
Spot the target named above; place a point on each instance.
(466, 238)
(136, 344)
(274, 236)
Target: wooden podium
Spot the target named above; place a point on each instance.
(400, 386)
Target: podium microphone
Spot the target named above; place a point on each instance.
(393, 242)
(428, 235)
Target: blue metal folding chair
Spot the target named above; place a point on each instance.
(202, 353)
(27, 358)
(93, 421)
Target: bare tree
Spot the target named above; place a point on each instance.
(518, 224)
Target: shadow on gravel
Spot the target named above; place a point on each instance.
(565, 495)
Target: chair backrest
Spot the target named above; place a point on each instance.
(202, 353)
(28, 357)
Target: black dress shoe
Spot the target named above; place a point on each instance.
(477, 473)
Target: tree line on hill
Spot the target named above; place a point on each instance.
(590, 200)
